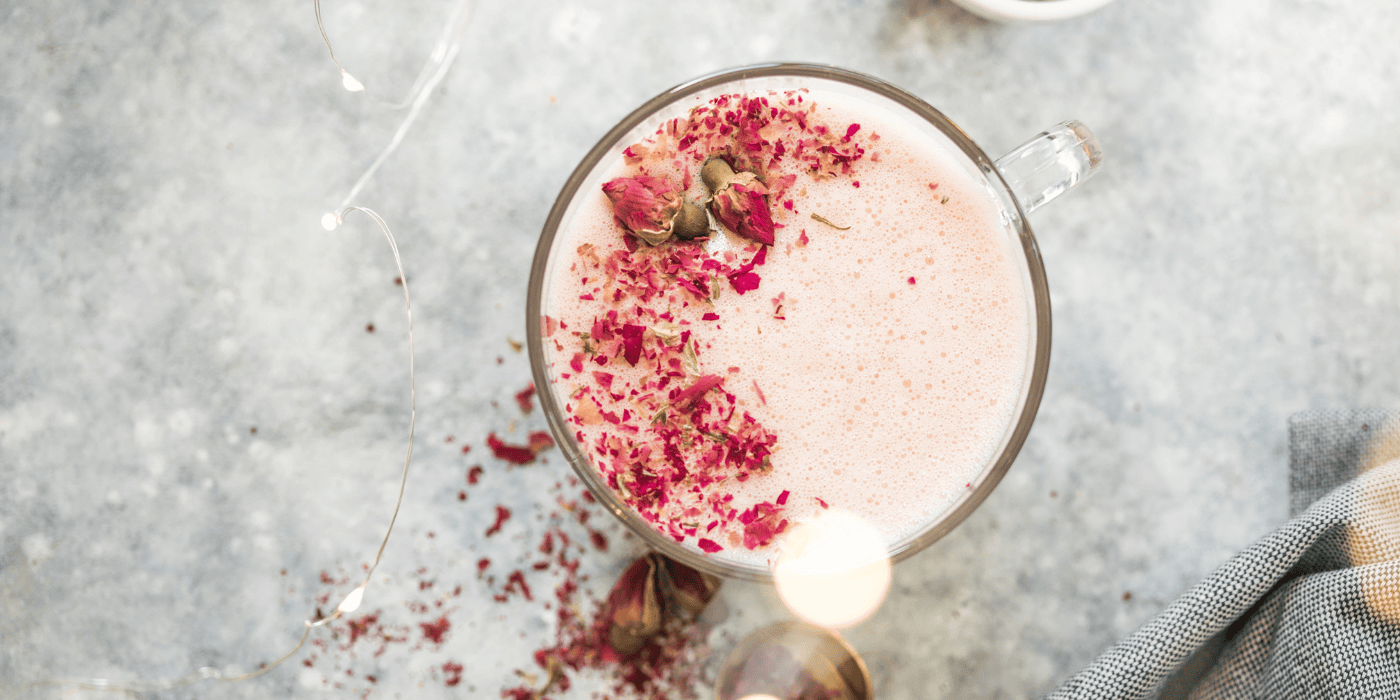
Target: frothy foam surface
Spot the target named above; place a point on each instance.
(896, 368)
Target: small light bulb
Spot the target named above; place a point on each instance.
(350, 82)
(352, 601)
(328, 222)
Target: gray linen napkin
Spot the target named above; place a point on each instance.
(1312, 610)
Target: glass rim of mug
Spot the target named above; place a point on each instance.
(1015, 222)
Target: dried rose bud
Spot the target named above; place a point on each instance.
(634, 606)
(644, 205)
(692, 589)
(690, 222)
(738, 200)
(652, 209)
(717, 173)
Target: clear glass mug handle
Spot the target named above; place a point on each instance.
(1044, 167)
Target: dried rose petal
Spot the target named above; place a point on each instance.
(451, 671)
(523, 399)
(644, 205)
(587, 411)
(693, 288)
(746, 282)
(697, 389)
(632, 342)
(502, 515)
(764, 400)
(515, 583)
(540, 441)
(744, 279)
(759, 258)
(634, 607)
(514, 454)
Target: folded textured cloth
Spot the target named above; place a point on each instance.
(1311, 610)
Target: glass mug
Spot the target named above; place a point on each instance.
(1017, 183)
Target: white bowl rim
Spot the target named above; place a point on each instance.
(1031, 10)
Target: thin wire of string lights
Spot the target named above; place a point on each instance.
(442, 54)
(434, 70)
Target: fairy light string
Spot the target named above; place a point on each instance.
(434, 70)
(352, 601)
(204, 673)
(444, 51)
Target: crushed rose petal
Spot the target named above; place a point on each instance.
(452, 672)
(435, 631)
(515, 583)
(540, 441)
(502, 515)
(524, 398)
(514, 454)
(663, 432)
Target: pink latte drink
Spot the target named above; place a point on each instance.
(780, 302)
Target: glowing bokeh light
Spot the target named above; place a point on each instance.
(833, 571)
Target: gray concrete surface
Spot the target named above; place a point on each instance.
(167, 288)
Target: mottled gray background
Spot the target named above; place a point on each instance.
(167, 287)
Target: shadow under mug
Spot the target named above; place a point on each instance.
(1019, 182)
